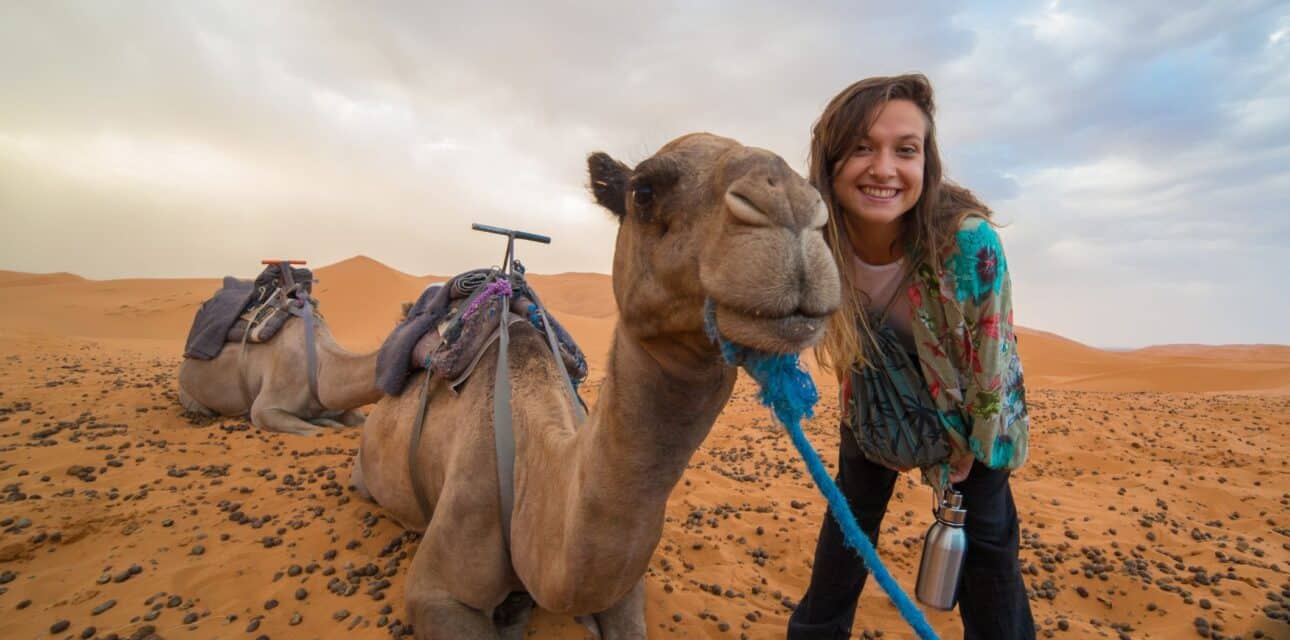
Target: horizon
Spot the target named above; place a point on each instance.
(445, 276)
(1138, 156)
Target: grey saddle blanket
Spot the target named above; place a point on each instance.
(214, 322)
(451, 324)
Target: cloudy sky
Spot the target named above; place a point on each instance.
(1139, 152)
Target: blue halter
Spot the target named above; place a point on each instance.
(790, 393)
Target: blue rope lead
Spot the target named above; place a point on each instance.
(791, 395)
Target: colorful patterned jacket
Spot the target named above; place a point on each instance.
(968, 349)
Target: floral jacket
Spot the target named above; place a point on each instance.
(968, 349)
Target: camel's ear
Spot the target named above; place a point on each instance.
(609, 182)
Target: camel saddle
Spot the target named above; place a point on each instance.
(249, 311)
(447, 331)
(451, 325)
(254, 312)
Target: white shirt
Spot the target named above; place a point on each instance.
(876, 285)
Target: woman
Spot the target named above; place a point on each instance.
(921, 256)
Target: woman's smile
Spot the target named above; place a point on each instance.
(881, 194)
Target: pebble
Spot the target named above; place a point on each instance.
(104, 607)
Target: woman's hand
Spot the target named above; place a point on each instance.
(961, 466)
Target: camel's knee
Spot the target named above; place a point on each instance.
(272, 419)
(436, 615)
(356, 479)
(353, 418)
(511, 617)
(626, 619)
(193, 406)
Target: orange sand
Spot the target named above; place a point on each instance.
(1157, 485)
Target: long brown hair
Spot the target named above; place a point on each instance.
(926, 229)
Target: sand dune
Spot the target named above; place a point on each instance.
(361, 298)
(1153, 504)
(20, 279)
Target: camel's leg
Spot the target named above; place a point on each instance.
(353, 418)
(274, 419)
(511, 617)
(326, 422)
(356, 478)
(592, 626)
(435, 614)
(626, 619)
(192, 406)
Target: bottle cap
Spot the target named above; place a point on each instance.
(952, 511)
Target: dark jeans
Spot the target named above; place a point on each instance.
(992, 596)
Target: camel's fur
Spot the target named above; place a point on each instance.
(277, 379)
(719, 221)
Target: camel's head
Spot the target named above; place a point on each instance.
(707, 218)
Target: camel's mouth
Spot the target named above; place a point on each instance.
(790, 333)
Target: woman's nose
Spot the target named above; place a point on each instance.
(883, 166)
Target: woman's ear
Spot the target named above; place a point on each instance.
(609, 182)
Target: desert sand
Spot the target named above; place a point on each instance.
(1154, 504)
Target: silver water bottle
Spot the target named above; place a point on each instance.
(943, 552)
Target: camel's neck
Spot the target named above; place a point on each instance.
(595, 500)
(655, 409)
(345, 380)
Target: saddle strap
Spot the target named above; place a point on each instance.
(304, 311)
(414, 469)
(579, 409)
(418, 488)
(242, 383)
(503, 431)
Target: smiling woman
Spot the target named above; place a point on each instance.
(924, 350)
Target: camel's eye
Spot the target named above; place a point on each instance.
(643, 195)
(651, 184)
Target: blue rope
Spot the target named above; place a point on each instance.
(790, 393)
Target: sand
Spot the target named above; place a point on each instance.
(1155, 497)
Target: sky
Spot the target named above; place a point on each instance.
(1138, 153)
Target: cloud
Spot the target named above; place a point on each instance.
(1145, 144)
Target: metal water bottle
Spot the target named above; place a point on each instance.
(943, 552)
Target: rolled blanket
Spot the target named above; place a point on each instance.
(465, 284)
(392, 363)
(214, 318)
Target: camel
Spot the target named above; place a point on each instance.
(704, 219)
(277, 380)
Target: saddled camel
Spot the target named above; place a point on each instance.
(705, 220)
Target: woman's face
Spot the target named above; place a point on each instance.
(883, 177)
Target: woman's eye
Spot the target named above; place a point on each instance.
(643, 195)
(863, 148)
(909, 150)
